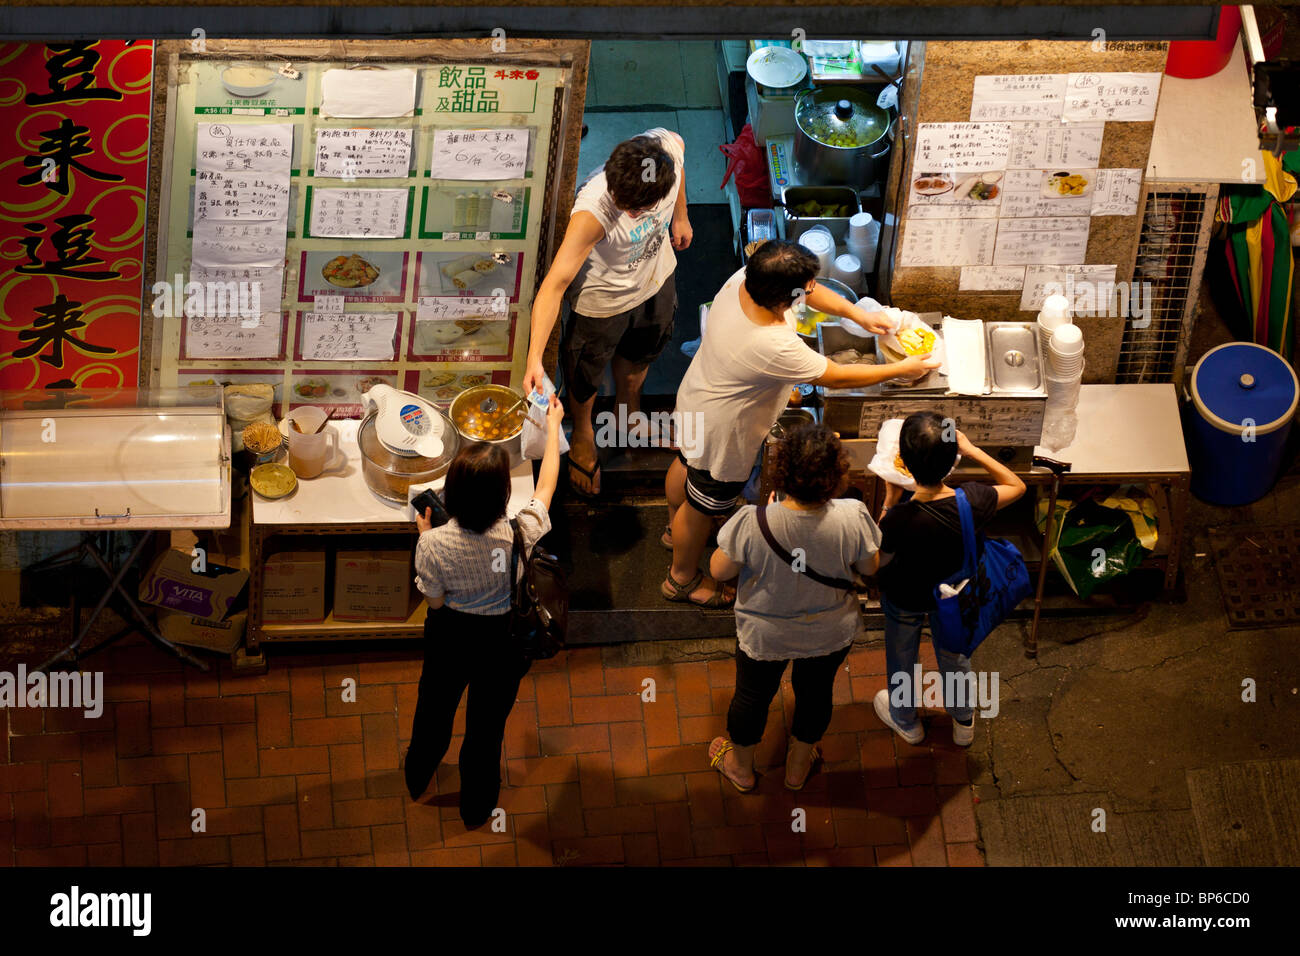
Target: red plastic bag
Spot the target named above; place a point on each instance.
(746, 161)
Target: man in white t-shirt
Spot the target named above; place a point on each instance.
(735, 389)
(618, 271)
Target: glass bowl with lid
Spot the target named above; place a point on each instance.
(390, 474)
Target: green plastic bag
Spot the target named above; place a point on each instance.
(1092, 543)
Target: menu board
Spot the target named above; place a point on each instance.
(948, 242)
(1028, 97)
(1027, 241)
(1040, 145)
(965, 146)
(365, 225)
(1113, 97)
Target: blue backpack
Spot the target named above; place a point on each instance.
(998, 580)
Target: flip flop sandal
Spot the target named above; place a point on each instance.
(666, 539)
(815, 757)
(592, 475)
(681, 593)
(716, 763)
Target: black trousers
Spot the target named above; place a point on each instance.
(467, 651)
(757, 682)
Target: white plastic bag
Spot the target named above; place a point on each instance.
(533, 439)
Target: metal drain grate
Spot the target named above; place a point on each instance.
(1259, 574)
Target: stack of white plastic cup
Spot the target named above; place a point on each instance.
(848, 269)
(819, 241)
(1065, 352)
(864, 235)
(1055, 313)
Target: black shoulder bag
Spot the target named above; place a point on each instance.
(839, 584)
(539, 600)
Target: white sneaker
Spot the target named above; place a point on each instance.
(963, 736)
(881, 705)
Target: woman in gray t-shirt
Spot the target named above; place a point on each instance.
(782, 613)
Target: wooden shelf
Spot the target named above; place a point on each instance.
(413, 626)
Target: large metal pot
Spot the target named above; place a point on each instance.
(465, 413)
(840, 135)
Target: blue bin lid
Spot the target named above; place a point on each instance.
(1242, 382)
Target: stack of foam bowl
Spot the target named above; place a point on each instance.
(1055, 313)
(819, 241)
(848, 269)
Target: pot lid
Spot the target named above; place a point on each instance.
(405, 423)
(840, 118)
(777, 67)
(1241, 384)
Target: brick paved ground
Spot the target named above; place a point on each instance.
(287, 772)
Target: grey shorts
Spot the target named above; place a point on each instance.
(637, 336)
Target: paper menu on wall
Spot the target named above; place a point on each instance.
(1030, 97)
(212, 336)
(335, 336)
(1039, 145)
(1026, 196)
(1075, 282)
(1051, 240)
(358, 213)
(991, 279)
(241, 195)
(966, 146)
(948, 242)
(363, 153)
(1117, 192)
(949, 195)
(245, 244)
(261, 147)
(1114, 97)
(446, 308)
(483, 154)
(367, 93)
(247, 289)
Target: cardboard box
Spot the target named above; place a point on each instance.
(172, 583)
(293, 588)
(372, 585)
(221, 636)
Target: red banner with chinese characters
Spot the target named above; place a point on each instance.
(74, 166)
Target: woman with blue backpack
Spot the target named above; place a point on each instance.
(932, 564)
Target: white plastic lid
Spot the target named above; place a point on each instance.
(860, 220)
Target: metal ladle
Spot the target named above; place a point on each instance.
(489, 406)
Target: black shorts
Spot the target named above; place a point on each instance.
(706, 494)
(637, 336)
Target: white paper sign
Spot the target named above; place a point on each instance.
(1029, 241)
(1040, 145)
(252, 288)
(1030, 97)
(1117, 192)
(243, 147)
(948, 242)
(1026, 196)
(246, 244)
(358, 213)
(1114, 97)
(967, 146)
(991, 279)
(334, 336)
(363, 153)
(241, 195)
(444, 308)
(328, 303)
(479, 153)
(1074, 282)
(948, 195)
(210, 337)
(368, 93)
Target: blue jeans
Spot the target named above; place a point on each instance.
(902, 650)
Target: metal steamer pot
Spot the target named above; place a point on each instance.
(842, 136)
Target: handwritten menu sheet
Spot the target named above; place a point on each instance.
(240, 195)
(482, 154)
(1051, 240)
(1035, 96)
(1117, 192)
(359, 213)
(331, 336)
(245, 244)
(364, 153)
(991, 278)
(1039, 145)
(1072, 281)
(949, 242)
(368, 93)
(443, 308)
(1121, 97)
(260, 147)
(243, 288)
(230, 336)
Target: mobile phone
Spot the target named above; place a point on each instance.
(428, 498)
